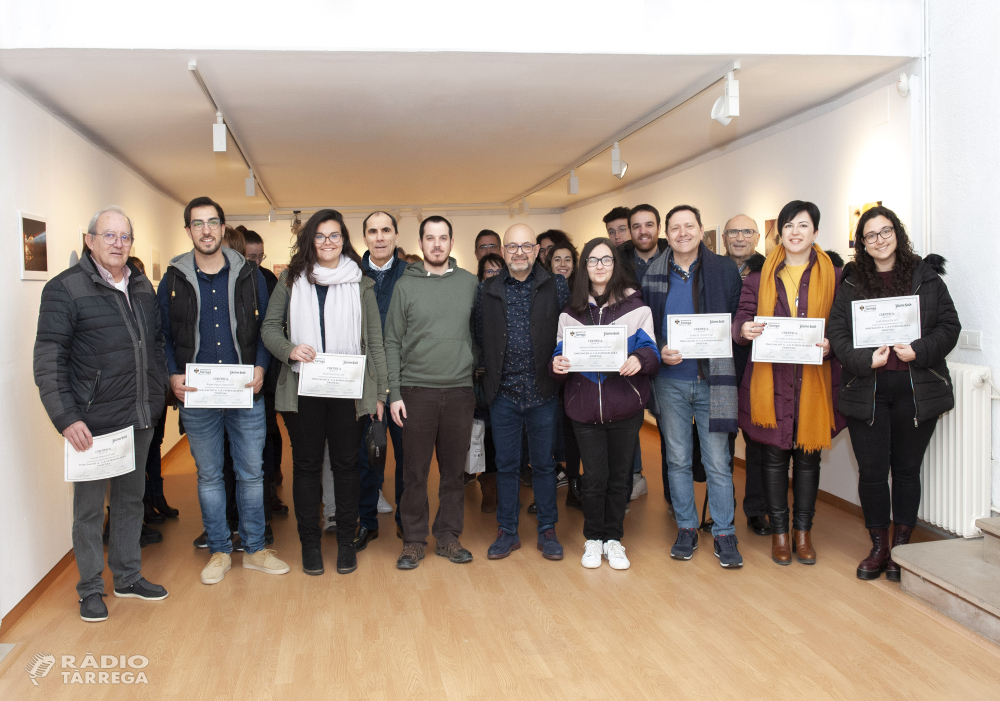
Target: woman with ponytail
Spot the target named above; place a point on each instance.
(790, 408)
(892, 397)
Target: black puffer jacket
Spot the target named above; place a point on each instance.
(96, 359)
(939, 329)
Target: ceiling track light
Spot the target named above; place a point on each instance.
(574, 183)
(728, 106)
(618, 166)
(251, 185)
(219, 133)
(272, 215)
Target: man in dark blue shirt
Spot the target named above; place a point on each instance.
(516, 320)
(211, 304)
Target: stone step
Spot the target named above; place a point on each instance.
(952, 577)
(991, 539)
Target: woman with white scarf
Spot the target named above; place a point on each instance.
(323, 303)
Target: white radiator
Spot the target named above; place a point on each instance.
(956, 468)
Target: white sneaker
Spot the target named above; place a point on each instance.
(639, 487)
(383, 506)
(615, 552)
(592, 554)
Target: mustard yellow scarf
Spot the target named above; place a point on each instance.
(815, 422)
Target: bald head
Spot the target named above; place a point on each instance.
(521, 261)
(742, 235)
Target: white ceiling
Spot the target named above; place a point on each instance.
(410, 129)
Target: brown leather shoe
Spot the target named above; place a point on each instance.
(488, 483)
(900, 536)
(780, 551)
(874, 565)
(803, 548)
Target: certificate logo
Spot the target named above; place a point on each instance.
(195, 371)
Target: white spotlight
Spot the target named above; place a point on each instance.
(251, 185)
(219, 133)
(574, 183)
(727, 106)
(618, 166)
(903, 85)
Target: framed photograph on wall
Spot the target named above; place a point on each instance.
(712, 240)
(34, 253)
(854, 213)
(155, 265)
(771, 236)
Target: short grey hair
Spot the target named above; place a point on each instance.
(92, 226)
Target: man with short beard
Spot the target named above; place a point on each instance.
(212, 303)
(646, 244)
(516, 320)
(742, 236)
(429, 351)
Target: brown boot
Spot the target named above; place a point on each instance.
(874, 565)
(488, 483)
(780, 552)
(900, 536)
(803, 548)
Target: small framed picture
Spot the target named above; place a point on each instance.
(157, 269)
(712, 240)
(34, 253)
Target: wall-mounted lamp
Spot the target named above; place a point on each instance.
(574, 183)
(903, 85)
(219, 133)
(251, 185)
(618, 166)
(728, 106)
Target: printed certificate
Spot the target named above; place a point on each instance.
(596, 348)
(886, 321)
(219, 386)
(789, 340)
(700, 335)
(112, 454)
(331, 375)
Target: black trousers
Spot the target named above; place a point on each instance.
(805, 486)
(890, 445)
(753, 496)
(320, 422)
(608, 451)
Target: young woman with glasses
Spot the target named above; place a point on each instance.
(892, 396)
(606, 408)
(323, 303)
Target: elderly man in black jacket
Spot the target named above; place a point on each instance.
(99, 367)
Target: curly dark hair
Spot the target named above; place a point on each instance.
(618, 284)
(304, 251)
(866, 278)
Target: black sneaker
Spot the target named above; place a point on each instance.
(149, 535)
(201, 541)
(237, 544)
(574, 496)
(347, 558)
(278, 507)
(532, 507)
(92, 608)
(268, 534)
(142, 590)
(312, 561)
(686, 544)
(725, 550)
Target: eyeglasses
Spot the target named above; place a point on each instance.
(198, 224)
(513, 248)
(606, 261)
(258, 259)
(872, 236)
(487, 247)
(111, 238)
(332, 238)
(737, 233)
(491, 272)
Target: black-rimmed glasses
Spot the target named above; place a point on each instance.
(873, 236)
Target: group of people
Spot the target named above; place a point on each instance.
(443, 346)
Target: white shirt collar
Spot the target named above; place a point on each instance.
(388, 263)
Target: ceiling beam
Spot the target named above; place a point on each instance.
(694, 89)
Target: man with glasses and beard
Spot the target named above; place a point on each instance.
(517, 316)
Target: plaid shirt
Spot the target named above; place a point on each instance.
(110, 279)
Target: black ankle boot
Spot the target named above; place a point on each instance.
(312, 561)
(150, 515)
(149, 535)
(161, 505)
(347, 558)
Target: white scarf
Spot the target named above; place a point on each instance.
(341, 313)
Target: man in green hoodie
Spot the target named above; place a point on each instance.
(430, 354)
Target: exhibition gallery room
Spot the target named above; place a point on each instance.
(408, 465)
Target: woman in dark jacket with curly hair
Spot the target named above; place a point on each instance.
(892, 397)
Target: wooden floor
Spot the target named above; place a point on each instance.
(519, 628)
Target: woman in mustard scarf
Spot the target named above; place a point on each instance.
(790, 408)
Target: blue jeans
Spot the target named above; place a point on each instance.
(679, 401)
(371, 480)
(508, 420)
(247, 429)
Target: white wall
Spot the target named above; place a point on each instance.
(965, 174)
(48, 170)
(277, 235)
(847, 156)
